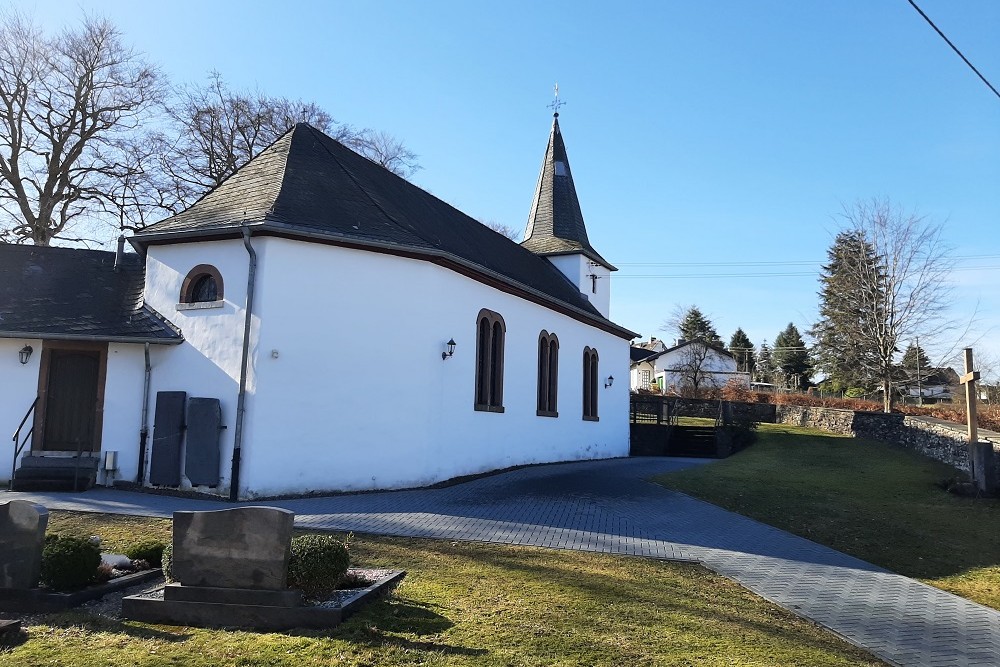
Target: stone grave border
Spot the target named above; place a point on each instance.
(38, 600)
(260, 617)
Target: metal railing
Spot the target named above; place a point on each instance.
(18, 442)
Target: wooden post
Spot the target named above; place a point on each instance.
(982, 468)
(969, 380)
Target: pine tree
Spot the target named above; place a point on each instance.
(764, 367)
(847, 356)
(791, 357)
(915, 360)
(695, 326)
(742, 349)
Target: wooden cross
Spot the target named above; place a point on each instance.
(969, 380)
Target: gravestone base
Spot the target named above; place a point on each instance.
(251, 596)
(212, 607)
(9, 627)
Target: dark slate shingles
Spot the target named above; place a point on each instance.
(70, 292)
(309, 181)
(555, 223)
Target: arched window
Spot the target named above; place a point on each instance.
(490, 333)
(203, 284)
(548, 375)
(590, 373)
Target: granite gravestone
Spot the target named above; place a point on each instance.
(246, 547)
(22, 536)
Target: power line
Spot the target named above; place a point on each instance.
(954, 48)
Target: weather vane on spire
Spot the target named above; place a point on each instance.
(556, 103)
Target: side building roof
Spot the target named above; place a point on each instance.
(309, 186)
(76, 294)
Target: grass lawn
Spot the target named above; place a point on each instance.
(869, 499)
(468, 604)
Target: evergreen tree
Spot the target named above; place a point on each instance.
(695, 326)
(847, 356)
(764, 367)
(791, 357)
(915, 360)
(741, 348)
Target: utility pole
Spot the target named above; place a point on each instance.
(920, 391)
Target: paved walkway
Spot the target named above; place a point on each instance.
(608, 506)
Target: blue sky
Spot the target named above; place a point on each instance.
(700, 133)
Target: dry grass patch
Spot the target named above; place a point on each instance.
(470, 604)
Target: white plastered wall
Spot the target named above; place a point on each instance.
(207, 363)
(351, 391)
(579, 269)
(18, 387)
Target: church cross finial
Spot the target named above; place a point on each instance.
(556, 103)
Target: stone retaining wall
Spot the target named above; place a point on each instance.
(943, 442)
(827, 419)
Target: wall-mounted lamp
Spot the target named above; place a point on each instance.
(610, 381)
(25, 353)
(451, 350)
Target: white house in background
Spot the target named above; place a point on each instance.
(233, 352)
(686, 365)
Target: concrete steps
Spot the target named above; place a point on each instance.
(55, 473)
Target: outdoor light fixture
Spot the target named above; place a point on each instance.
(451, 350)
(610, 381)
(25, 353)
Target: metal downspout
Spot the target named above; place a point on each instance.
(144, 431)
(234, 480)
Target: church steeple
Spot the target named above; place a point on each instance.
(555, 223)
(556, 230)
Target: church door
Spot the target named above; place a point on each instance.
(71, 401)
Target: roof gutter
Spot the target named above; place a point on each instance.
(241, 400)
(98, 339)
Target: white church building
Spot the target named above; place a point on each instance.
(241, 349)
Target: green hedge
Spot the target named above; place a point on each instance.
(69, 563)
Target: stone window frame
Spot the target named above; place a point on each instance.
(591, 371)
(187, 301)
(548, 375)
(491, 333)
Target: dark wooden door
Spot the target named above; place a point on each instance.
(71, 401)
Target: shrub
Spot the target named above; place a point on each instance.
(69, 562)
(166, 560)
(317, 564)
(150, 551)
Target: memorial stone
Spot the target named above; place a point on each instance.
(22, 536)
(246, 547)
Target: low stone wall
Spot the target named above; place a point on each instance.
(827, 419)
(933, 438)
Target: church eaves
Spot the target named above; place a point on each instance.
(555, 223)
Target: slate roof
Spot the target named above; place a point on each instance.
(308, 185)
(640, 354)
(75, 294)
(555, 223)
(717, 348)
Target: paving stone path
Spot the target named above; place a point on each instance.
(608, 506)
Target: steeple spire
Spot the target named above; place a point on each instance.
(555, 223)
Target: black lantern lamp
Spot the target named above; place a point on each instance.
(25, 353)
(610, 381)
(451, 350)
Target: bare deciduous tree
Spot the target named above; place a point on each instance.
(694, 368)
(216, 130)
(71, 108)
(500, 228)
(382, 148)
(904, 289)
